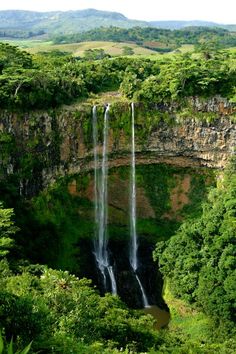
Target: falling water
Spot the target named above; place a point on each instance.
(112, 279)
(95, 155)
(144, 297)
(134, 244)
(100, 196)
(133, 256)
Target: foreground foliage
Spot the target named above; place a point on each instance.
(62, 313)
(8, 348)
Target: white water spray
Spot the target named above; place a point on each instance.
(100, 199)
(144, 297)
(133, 254)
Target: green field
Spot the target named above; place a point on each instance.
(111, 48)
(77, 49)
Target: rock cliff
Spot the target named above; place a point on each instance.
(39, 147)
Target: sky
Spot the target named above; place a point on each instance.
(221, 11)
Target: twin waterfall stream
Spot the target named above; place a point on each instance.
(101, 250)
(100, 191)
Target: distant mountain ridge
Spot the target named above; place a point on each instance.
(194, 23)
(59, 22)
(182, 24)
(29, 23)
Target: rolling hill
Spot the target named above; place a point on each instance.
(78, 49)
(28, 24)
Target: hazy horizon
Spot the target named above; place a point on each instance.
(149, 10)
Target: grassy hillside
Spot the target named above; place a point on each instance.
(78, 49)
(111, 48)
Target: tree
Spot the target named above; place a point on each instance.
(95, 54)
(7, 229)
(128, 50)
(207, 48)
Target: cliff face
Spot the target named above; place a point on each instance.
(38, 147)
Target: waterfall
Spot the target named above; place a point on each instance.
(133, 233)
(144, 297)
(100, 200)
(133, 254)
(95, 155)
(113, 280)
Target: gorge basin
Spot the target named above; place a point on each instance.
(172, 168)
(162, 317)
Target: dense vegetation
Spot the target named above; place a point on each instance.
(185, 76)
(162, 40)
(53, 79)
(200, 259)
(13, 33)
(63, 314)
(60, 312)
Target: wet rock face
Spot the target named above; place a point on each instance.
(50, 145)
(214, 104)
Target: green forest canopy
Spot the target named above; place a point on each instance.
(200, 260)
(49, 80)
